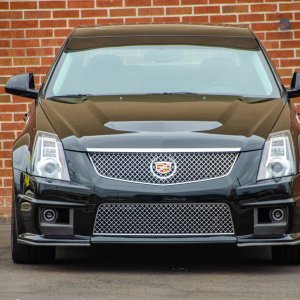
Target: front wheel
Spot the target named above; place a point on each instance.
(288, 255)
(26, 254)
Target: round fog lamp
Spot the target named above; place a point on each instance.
(278, 214)
(49, 215)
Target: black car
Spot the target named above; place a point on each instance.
(157, 134)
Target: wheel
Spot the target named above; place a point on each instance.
(288, 255)
(26, 254)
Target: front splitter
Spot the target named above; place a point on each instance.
(240, 241)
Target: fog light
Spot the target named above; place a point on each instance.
(50, 215)
(277, 214)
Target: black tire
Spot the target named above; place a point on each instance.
(286, 255)
(26, 254)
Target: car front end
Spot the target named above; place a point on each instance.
(180, 140)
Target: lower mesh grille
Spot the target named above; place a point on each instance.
(163, 219)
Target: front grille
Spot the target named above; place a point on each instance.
(163, 168)
(163, 219)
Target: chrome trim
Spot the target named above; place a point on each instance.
(162, 150)
(163, 235)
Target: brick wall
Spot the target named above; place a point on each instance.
(32, 31)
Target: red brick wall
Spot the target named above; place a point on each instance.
(32, 31)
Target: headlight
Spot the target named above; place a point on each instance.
(48, 157)
(278, 156)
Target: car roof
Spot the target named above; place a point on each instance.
(162, 30)
(83, 38)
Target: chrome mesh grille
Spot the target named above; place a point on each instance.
(163, 219)
(185, 166)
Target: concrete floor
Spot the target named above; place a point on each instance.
(149, 272)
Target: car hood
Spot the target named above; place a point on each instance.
(168, 121)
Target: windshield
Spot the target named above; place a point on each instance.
(135, 70)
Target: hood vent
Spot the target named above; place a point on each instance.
(163, 126)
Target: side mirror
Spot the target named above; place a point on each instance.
(295, 86)
(22, 85)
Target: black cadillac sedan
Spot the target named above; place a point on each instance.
(157, 134)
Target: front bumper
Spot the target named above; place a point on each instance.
(84, 201)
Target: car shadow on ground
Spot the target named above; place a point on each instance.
(155, 258)
(162, 258)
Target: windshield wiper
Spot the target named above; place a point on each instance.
(253, 99)
(175, 93)
(68, 98)
(211, 96)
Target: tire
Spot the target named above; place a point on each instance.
(26, 254)
(286, 255)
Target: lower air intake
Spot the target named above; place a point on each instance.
(163, 219)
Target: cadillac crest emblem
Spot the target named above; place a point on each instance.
(163, 167)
